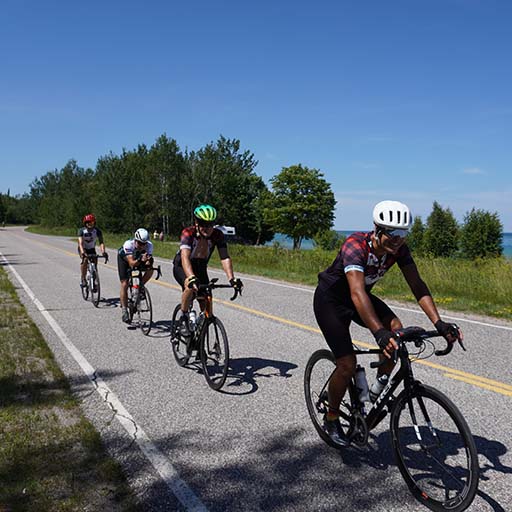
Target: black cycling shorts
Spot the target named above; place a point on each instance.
(87, 251)
(200, 273)
(334, 318)
(122, 268)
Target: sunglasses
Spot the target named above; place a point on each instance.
(395, 233)
(205, 224)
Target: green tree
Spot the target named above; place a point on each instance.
(441, 233)
(416, 236)
(223, 175)
(328, 240)
(481, 235)
(302, 203)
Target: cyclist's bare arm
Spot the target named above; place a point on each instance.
(81, 245)
(361, 300)
(421, 292)
(227, 266)
(365, 307)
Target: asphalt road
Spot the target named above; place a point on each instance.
(251, 447)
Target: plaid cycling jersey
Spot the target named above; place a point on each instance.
(358, 254)
(201, 248)
(89, 237)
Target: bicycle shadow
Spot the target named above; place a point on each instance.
(111, 302)
(379, 455)
(244, 372)
(160, 329)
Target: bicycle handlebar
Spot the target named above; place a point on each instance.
(418, 334)
(141, 268)
(211, 286)
(86, 256)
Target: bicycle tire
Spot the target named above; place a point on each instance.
(319, 369)
(85, 289)
(95, 288)
(445, 445)
(178, 343)
(145, 312)
(214, 348)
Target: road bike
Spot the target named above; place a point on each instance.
(139, 298)
(91, 286)
(432, 443)
(207, 336)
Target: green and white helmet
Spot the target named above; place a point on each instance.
(205, 213)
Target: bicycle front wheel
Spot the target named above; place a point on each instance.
(95, 288)
(85, 288)
(434, 449)
(214, 352)
(145, 311)
(178, 342)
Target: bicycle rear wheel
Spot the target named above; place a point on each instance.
(214, 352)
(434, 449)
(317, 374)
(145, 311)
(178, 342)
(95, 288)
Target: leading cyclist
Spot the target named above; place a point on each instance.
(344, 294)
(191, 261)
(137, 252)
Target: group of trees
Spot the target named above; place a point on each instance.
(158, 187)
(479, 236)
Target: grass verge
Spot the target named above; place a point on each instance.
(51, 457)
(482, 287)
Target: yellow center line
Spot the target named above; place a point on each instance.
(469, 378)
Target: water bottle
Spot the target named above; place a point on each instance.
(378, 386)
(362, 384)
(192, 320)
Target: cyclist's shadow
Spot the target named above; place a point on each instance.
(244, 372)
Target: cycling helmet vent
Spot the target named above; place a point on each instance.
(205, 212)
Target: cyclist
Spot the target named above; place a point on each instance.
(344, 294)
(137, 252)
(191, 261)
(87, 236)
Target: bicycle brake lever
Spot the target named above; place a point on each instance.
(461, 344)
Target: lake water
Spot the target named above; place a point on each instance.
(285, 241)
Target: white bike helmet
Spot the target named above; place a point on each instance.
(392, 215)
(142, 235)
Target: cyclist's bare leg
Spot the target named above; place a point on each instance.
(123, 294)
(186, 299)
(387, 368)
(83, 268)
(345, 370)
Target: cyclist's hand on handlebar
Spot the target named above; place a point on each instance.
(386, 341)
(236, 284)
(192, 282)
(450, 332)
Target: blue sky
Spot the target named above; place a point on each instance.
(408, 100)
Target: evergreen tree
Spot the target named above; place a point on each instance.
(481, 235)
(441, 234)
(416, 235)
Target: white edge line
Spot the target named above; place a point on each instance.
(157, 459)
